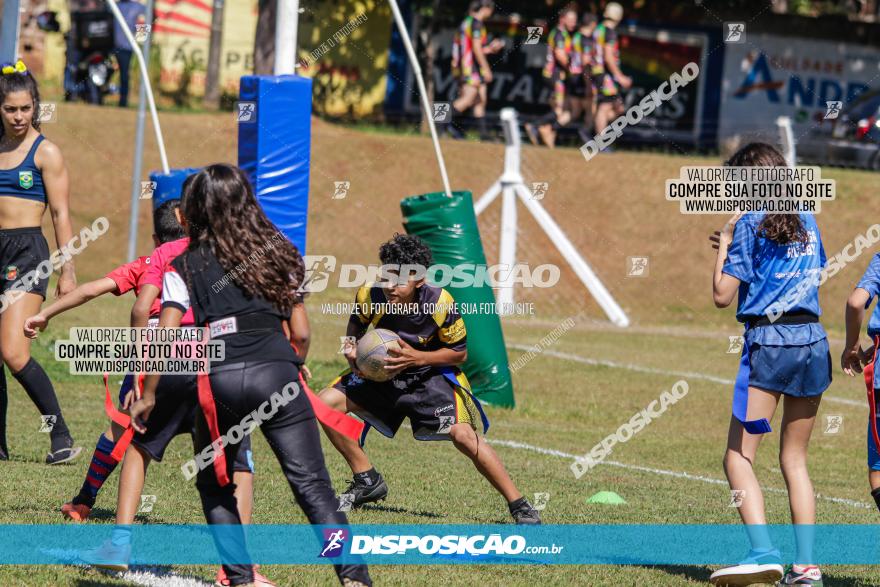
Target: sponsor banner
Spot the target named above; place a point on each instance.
(625, 544)
(772, 76)
(343, 47)
(650, 57)
(182, 35)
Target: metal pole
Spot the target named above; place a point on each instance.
(786, 137)
(487, 198)
(137, 167)
(507, 248)
(565, 247)
(285, 36)
(512, 147)
(423, 93)
(10, 30)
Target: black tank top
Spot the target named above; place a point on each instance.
(214, 296)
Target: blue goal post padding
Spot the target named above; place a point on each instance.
(274, 146)
(167, 186)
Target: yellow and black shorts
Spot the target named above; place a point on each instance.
(430, 399)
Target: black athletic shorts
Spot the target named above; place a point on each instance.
(22, 251)
(430, 400)
(577, 86)
(177, 402)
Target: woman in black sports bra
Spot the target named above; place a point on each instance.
(32, 176)
(260, 372)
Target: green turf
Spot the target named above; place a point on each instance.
(562, 405)
(610, 210)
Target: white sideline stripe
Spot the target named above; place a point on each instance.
(147, 575)
(651, 370)
(664, 472)
(164, 579)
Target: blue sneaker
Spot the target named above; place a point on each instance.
(758, 567)
(113, 557)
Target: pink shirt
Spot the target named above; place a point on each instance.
(130, 277)
(159, 260)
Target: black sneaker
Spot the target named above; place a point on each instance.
(523, 513)
(4, 453)
(62, 451)
(585, 135)
(360, 492)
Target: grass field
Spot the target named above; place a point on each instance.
(569, 397)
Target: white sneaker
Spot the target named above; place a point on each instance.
(758, 567)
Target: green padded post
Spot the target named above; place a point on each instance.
(449, 227)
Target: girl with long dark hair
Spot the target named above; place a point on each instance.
(33, 176)
(773, 263)
(226, 226)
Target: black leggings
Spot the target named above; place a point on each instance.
(292, 433)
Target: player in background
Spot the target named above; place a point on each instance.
(556, 73)
(226, 226)
(33, 177)
(764, 258)
(123, 279)
(854, 357)
(579, 85)
(471, 68)
(427, 386)
(607, 75)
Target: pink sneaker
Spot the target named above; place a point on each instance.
(259, 580)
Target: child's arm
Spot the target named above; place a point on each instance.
(300, 331)
(140, 411)
(852, 356)
(724, 286)
(354, 331)
(78, 297)
(408, 357)
(451, 333)
(140, 311)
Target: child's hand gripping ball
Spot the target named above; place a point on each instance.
(372, 349)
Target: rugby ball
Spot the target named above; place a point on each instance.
(372, 349)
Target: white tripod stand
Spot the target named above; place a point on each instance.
(510, 185)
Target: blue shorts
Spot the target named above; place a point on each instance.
(126, 386)
(873, 454)
(795, 370)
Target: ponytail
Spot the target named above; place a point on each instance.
(782, 229)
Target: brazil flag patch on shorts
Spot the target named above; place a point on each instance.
(26, 179)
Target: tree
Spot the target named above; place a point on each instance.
(264, 40)
(215, 49)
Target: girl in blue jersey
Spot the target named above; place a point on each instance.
(33, 177)
(854, 357)
(772, 262)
